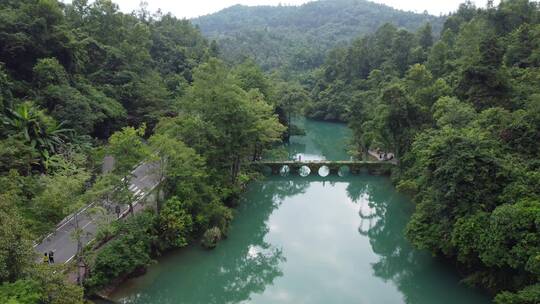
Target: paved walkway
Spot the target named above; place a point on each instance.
(62, 242)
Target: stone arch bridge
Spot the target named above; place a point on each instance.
(355, 167)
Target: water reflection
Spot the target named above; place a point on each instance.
(295, 241)
(420, 278)
(240, 267)
(322, 141)
(334, 239)
(304, 171)
(324, 171)
(284, 171)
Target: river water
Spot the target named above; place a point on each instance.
(308, 240)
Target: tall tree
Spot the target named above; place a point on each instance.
(216, 98)
(128, 149)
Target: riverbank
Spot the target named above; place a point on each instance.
(313, 240)
(152, 252)
(307, 240)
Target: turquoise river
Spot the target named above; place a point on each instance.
(308, 240)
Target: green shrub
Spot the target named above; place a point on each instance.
(408, 187)
(214, 214)
(129, 252)
(211, 237)
(528, 295)
(20, 292)
(175, 224)
(44, 285)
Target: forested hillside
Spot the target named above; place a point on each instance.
(81, 81)
(298, 37)
(84, 80)
(462, 115)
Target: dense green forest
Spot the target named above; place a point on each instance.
(457, 99)
(296, 38)
(462, 114)
(84, 80)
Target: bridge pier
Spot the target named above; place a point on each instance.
(334, 170)
(355, 169)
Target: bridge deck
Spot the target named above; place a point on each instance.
(321, 162)
(355, 166)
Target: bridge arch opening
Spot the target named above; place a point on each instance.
(344, 171)
(324, 171)
(285, 170)
(304, 171)
(266, 171)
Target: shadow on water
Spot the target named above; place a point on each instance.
(417, 275)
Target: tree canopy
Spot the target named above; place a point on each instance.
(83, 80)
(461, 114)
(296, 38)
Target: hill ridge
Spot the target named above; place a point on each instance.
(300, 36)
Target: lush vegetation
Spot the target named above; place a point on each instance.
(462, 114)
(200, 155)
(83, 80)
(80, 81)
(296, 38)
